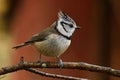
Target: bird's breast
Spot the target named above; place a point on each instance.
(53, 46)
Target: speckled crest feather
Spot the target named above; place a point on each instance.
(61, 14)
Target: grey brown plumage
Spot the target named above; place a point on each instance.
(38, 37)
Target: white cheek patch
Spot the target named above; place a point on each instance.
(61, 29)
(64, 28)
(68, 29)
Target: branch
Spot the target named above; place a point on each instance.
(66, 65)
(49, 74)
(53, 75)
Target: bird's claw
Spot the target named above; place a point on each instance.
(60, 63)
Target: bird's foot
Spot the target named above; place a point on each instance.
(60, 63)
(39, 60)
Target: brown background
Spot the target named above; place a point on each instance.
(98, 42)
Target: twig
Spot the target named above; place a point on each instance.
(49, 74)
(66, 65)
(53, 75)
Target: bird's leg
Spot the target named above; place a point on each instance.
(39, 60)
(60, 63)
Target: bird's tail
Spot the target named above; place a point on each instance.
(19, 46)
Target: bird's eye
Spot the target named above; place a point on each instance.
(71, 25)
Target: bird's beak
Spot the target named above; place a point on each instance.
(78, 27)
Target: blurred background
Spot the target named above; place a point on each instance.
(98, 42)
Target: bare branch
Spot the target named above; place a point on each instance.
(53, 75)
(66, 65)
(49, 74)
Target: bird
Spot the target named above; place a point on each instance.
(54, 40)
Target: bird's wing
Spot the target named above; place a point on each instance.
(42, 35)
(38, 37)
